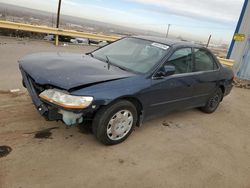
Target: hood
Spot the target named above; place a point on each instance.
(68, 70)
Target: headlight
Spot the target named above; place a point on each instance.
(66, 100)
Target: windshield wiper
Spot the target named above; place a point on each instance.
(122, 68)
(89, 53)
(108, 62)
(101, 59)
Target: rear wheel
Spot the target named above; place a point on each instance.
(114, 123)
(213, 102)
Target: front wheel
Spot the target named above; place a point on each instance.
(213, 102)
(113, 124)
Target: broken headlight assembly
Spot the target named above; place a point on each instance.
(65, 100)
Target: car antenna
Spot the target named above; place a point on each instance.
(108, 61)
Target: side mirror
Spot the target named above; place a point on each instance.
(169, 70)
(165, 71)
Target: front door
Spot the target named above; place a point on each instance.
(173, 92)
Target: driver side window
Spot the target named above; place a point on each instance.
(181, 59)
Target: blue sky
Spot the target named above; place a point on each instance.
(192, 19)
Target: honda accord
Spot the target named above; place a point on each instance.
(122, 84)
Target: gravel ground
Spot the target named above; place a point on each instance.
(183, 149)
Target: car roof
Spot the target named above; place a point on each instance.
(167, 41)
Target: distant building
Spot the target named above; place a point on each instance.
(240, 46)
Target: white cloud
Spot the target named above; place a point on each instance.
(45, 5)
(74, 8)
(213, 10)
(226, 11)
(221, 13)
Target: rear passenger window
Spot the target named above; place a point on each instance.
(181, 59)
(204, 60)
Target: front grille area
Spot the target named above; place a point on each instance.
(37, 87)
(29, 83)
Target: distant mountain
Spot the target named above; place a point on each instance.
(28, 15)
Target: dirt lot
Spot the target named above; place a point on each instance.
(192, 149)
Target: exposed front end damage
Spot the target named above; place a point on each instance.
(52, 112)
(71, 118)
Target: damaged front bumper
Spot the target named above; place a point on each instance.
(52, 112)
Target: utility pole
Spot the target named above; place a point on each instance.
(209, 38)
(58, 19)
(168, 30)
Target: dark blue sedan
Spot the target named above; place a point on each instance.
(121, 85)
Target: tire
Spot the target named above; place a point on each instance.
(114, 123)
(213, 102)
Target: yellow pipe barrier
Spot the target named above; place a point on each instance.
(228, 62)
(57, 40)
(71, 33)
(55, 31)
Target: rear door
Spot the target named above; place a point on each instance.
(205, 76)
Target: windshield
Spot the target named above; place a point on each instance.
(132, 54)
